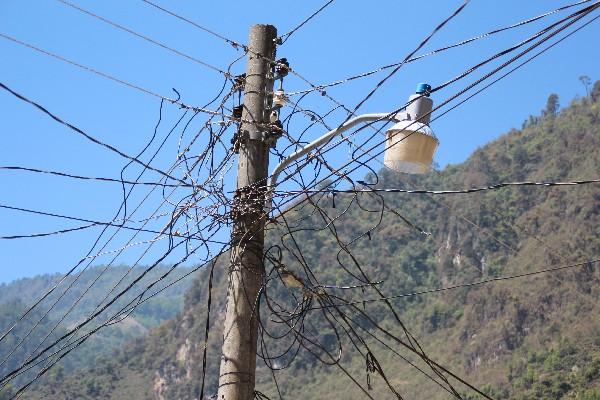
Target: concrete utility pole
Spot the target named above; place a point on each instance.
(238, 357)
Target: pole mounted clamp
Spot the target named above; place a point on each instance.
(269, 133)
(238, 82)
(259, 134)
(282, 68)
(274, 131)
(237, 111)
(238, 138)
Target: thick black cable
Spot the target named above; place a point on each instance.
(439, 192)
(45, 234)
(62, 216)
(92, 178)
(87, 136)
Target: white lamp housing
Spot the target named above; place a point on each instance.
(410, 143)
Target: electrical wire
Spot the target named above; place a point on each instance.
(70, 271)
(419, 47)
(102, 271)
(441, 49)
(576, 17)
(438, 192)
(283, 38)
(146, 38)
(87, 136)
(109, 77)
(92, 178)
(472, 284)
(233, 43)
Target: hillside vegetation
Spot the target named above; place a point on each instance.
(535, 337)
(17, 296)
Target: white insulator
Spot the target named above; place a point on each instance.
(279, 98)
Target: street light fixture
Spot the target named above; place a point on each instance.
(410, 143)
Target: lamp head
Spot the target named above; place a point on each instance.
(410, 143)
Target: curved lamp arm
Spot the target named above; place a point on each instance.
(272, 182)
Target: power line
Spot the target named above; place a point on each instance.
(450, 99)
(94, 223)
(92, 178)
(237, 45)
(476, 283)
(462, 91)
(575, 17)
(146, 38)
(80, 325)
(87, 136)
(233, 43)
(203, 240)
(583, 13)
(283, 38)
(438, 192)
(126, 310)
(516, 68)
(57, 324)
(44, 234)
(441, 49)
(454, 14)
(118, 226)
(419, 47)
(110, 77)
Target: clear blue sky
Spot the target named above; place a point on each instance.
(347, 38)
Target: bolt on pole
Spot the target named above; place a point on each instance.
(246, 272)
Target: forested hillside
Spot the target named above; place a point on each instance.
(517, 337)
(86, 291)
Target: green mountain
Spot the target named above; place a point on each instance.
(65, 308)
(513, 336)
